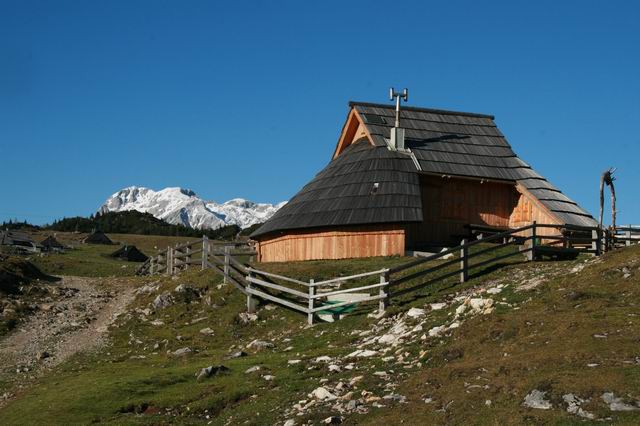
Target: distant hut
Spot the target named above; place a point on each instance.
(51, 244)
(17, 240)
(130, 254)
(97, 237)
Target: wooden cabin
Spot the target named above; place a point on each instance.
(97, 237)
(374, 198)
(18, 241)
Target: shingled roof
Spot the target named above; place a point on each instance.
(345, 192)
(469, 145)
(442, 143)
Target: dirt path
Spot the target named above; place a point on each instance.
(77, 320)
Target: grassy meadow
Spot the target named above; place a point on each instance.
(542, 338)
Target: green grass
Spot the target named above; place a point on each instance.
(548, 341)
(86, 260)
(92, 260)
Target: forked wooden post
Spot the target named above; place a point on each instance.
(205, 251)
(312, 292)
(464, 261)
(384, 291)
(226, 264)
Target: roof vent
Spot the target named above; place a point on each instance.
(397, 133)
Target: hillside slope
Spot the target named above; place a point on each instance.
(559, 336)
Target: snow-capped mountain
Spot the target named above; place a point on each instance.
(183, 207)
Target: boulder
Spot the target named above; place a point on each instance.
(246, 317)
(181, 352)
(259, 345)
(323, 394)
(416, 313)
(238, 354)
(162, 301)
(211, 371)
(537, 399)
(186, 293)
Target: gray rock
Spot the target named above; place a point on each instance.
(252, 369)
(186, 293)
(207, 331)
(537, 399)
(616, 403)
(246, 317)
(259, 345)
(181, 352)
(323, 394)
(162, 301)
(573, 406)
(238, 354)
(211, 371)
(333, 420)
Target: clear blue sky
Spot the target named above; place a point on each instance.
(247, 99)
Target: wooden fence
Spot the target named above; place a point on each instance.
(313, 297)
(623, 236)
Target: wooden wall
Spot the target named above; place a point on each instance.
(529, 209)
(336, 243)
(450, 203)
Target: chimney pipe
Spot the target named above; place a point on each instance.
(397, 133)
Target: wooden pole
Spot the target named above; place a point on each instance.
(226, 264)
(464, 261)
(152, 261)
(628, 236)
(187, 259)
(205, 251)
(251, 307)
(534, 236)
(384, 302)
(613, 204)
(312, 291)
(596, 242)
(601, 200)
(169, 262)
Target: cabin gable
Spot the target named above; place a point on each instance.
(354, 129)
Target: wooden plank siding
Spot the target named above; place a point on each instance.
(335, 243)
(448, 204)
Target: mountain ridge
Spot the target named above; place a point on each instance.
(180, 206)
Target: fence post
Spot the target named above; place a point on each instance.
(534, 237)
(595, 241)
(169, 261)
(187, 259)
(628, 236)
(464, 261)
(226, 264)
(152, 261)
(384, 301)
(205, 251)
(312, 292)
(251, 307)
